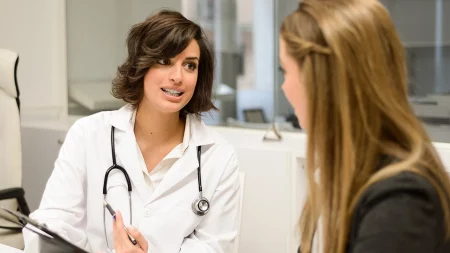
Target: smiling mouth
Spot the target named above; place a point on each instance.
(173, 93)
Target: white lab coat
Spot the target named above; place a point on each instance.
(72, 203)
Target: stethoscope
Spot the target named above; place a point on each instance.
(200, 205)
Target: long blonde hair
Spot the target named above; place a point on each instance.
(354, 70)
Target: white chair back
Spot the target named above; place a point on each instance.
(10, 142)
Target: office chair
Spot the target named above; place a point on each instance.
(12, 195)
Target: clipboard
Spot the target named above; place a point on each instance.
(50, 242)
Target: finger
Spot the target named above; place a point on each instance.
(139, 238)
(117, 241)
(120, 235)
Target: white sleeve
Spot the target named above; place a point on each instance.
(218, 231)
(63, 204)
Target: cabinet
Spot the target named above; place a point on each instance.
(273, 182)
(274, 179)
(40, 148)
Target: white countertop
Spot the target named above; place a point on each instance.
(7, 249)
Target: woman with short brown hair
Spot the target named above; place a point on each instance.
(159, 38)
(172, 178)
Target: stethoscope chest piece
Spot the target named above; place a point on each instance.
(200, 206)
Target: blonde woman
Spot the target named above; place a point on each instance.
(382, 187)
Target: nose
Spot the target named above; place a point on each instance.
(176, 74)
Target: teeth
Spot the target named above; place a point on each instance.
(171, 92)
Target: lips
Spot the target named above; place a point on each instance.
(172, 92)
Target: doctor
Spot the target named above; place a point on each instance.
(183, 177)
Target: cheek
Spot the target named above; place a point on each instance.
(292, 91)
(190, 82)
(152, 78)
(295, 93)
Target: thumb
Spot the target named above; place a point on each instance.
(141, 240)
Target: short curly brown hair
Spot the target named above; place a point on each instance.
(163, 36)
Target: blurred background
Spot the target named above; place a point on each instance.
(69, 51)
(76, 53)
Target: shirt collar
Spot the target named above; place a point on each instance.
(196, 133)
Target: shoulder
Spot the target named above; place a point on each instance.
(223, 149)
(202, 134)
(404, 184)
(92, 122)
(397, 205)
(402, 213)
(214, 146)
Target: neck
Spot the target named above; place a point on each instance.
(156, 128)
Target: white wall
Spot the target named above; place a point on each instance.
(35, 30)
(93, 32)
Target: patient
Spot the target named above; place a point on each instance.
(381, 187)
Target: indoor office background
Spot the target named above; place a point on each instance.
(69, 51)
(243, 33)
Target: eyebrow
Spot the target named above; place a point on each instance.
(192, 58)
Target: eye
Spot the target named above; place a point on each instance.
(163, 62)
(281, 70)
(191, 66)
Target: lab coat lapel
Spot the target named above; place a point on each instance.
(180, 170)
(126, 149)
(200, 135)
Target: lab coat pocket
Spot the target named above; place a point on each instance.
(171, 225)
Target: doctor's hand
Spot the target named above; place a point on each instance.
(122, 243)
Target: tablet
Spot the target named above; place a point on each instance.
(50, 242)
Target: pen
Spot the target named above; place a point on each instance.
(113, 214)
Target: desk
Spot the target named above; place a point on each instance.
(7, 249)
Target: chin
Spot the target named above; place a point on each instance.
(301, 122)
(171, 109)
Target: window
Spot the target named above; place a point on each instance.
(424, 27)
(241, 32)
(244, 35)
